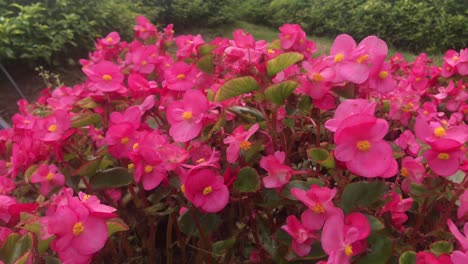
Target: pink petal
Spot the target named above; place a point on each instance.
(93, 238)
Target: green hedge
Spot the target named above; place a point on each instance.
(43, 29)
(432, 25)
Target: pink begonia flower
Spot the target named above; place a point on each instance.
(95, 207)
(131, 115)
(463, 209)
(344, 237)
(319, 79)
(49, 177)
(105, 76)
(381, 79)
(149, 170)
(186, 116)
(278, 173)
(462, 239)
(454, 62)
(120, 139)
(407, 141)
(206, 190)
(5, 202)
(239, 140)
(4, 233)
(458, 257)
(7, 185)
(139, 61)
(347, 108)
(188, 45)
(429, 132)
(413, 171)
(319, 203)
(397, 208)
(423, 257)
(445, 156)
(243, 39)
(111, 39)
(180, 76)
(139, 86)
(53, 127)
(144, 29)
(303, 238)
(290, 35)
(359, 143)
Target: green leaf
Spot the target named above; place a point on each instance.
(375, 223)
(303, 185)
(30, 171)
(115, 225)
(441, 247)
(222, 246)
(282, 61)
(322, 157)
(206, 49)
(206, 64)
(111, 178)
(277, 93)
(249, 114)
(380, 252)
(89, 168)
(408, 257)
(85, 119)
(87, 103)
(16, 248)
(208, 222)
(247, 180)
(361, 194)
(236, 87)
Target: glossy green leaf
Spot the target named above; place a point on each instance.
(322, 157)
(87, 103)
(85, 119)
(111, 178)
(236, 87)
(222, 246)
(282, 61)
(441, 247)
(115, 225)
(30, 171)
(277, 93)
(247, 180)
(303, 185)
(206, 64)
(16, 249)
(88, 168)
(408, 257)
(380, 250)
(362, 194)
(375, 223)
(206, 49)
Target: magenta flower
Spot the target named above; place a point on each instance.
(53, 127)
(180, 77)
(462, 239)
(239, 140)
(381, 79)
(344, 238)
(105, 76)
(111, 39)
(186, 116)
(407, 141)
(458, 257)
(397, 208)
(49, 177)
(303, 238)
(5, 202)
(347, 108)
(278, 173)
(463, 209)
(445, 156)
(319, 203)
(95, 207)
(290, 35)
(359, 143)
(144, 29)
(423, 257)
(243, 39)
(206, 190)
(149, 170)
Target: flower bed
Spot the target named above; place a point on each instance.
(180, 151)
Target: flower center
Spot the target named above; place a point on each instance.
(52, 128)
(338, 57)
(317, 77)
(49, 176)
(207, 190)
(124, 140)
(288, 37)
(180, 76)
(85, 197)
(363, 145)
(348, 250)
(455, 58)
(182, 188)
(245, 145)
(318, 209)
(443, 156)
(106, 77)
(200, 160)
(383, 74)
(136, 145)
(8, 164)
(78, 228)
(187, 115)
(362, 58)
(109, 39)
(439, 132)
(407, 108)
(130, 166)
(404, 172)
(148, 168)
(143, 62)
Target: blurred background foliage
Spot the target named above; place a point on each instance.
(60, 31)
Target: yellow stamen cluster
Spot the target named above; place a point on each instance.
(180, 76)
(50, 176)
(130, 166)
(439, 132)
(338, 57)
(362, 58)
(106, 77)
(363, 145)
(148, 169)
(348, 250)
(78, 228)
(187, 115)
(124, 140)
(317, 77)
(136, 145)
(318, 209)
(383, 75)
(245, 145)
(182, 188)
(404, 172)
(207, 190)
(443, 156)
(52, 128)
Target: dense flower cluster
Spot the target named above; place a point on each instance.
(362, 149)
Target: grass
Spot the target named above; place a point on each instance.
(269, 34)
